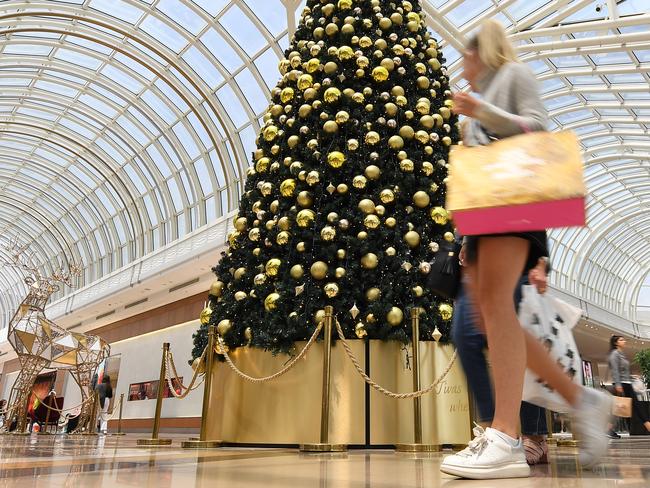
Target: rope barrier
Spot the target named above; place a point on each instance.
(293, 362)
(170, 365)
(54, 409)
(380, 388)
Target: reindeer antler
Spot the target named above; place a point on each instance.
(66, 277)
(19, 257)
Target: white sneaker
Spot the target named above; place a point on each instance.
(488, 456)
(590, 419)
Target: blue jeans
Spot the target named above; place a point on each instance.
(471, 343)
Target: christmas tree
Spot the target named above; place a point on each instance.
(344, 199)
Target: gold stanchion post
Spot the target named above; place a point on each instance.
(550, 440)
(119, 419)
(202, 443)
(417, 446)
(324, 444)
(47, 415)
(155, 441)
(92, 421)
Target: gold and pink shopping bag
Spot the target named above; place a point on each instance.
(528, 182)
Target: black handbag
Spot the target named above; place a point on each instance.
(444, 276)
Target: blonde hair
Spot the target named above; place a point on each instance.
(494, 48)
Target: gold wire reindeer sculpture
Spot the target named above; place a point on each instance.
(41, 344)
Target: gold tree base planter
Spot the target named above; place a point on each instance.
(292, 403)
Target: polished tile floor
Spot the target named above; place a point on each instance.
(89, 462)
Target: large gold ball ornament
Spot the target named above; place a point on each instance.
(304, 111)
(304, 199)
(240, 295)
(446, 141)
(205, 315)
(272, 266)
(380, 74)
(262, 165)
(412, 238)
(418, 290)
(331, 29)
(362, 235)
(305, 218)
(287, 187)
(340, 253)
(330, 127)
(395, 316)
(387, 196)
(342, 117)
(353, 144)
(396, 142)
(406, 132)
(336, 159)
(385, 23)
(319, 270)
(391, 222)
(331, 95)
(271, 301)
(331, 290)
(330, 67)
(301, 246)
(339, 272)
(373, 294)
(380, 210)
(224, 327)
(421, 199)
(312, 66)
(216, 288)
(371, 221)
(369, 261)
(449, 236)
(345, 53)
(286, 95)
(365, 41)
(446, 311)
(390, 251)
(305, 81)
(284, 223)
(372, 172)
(367, 206)
(347, 30)
(269, 133)
(282, 238)
(313, 177)
(296, 271)
(427, 168)
(328, 233)
(372, 138)
(259, 279)
(254, 234)
(439, 215)
(267, 189)
(239, 273)
(342, 188)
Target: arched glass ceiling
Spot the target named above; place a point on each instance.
(126, 124)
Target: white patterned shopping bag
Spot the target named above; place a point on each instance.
(550, 320)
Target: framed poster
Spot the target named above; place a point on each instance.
(148, 390)
(587, 373)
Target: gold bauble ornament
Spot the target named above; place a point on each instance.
(427, 168)
(387, 196)
(385, 23)
(248, 334)
(371, 221)
(388, 63)
(439, 215)
(367, 206)
(342, 117)
(330, 127)
(312, 178)
(342, 188)
(406, 132)
(304, 111)
(262, 165)
(301, 246)
(370, 318)
(449, 236)
(287, 187)
(391, 222)
(423, 82)
(412, 238)
(205, 315)
(418, 290)
(421, 199)
(305, 217)
(216, 288)
(224, 327)
(275, 204)
(363, 62)
(284, 223)
(401, 101)
(318, 270)
(254, 234)
(339, 272)
(340, 253)
(259, 279)
(239, 273)
(369, 261)
(372, 172)
(319, 316)
(331, 29)
(395, 316)
(269, 133)
(328, 233)
(360, 330)
(353, 144)
(396, 142)
(282, 237)
(304, 199)
(296, 271)
(286, 95)
(345, 53)
(332, 95)
(365, 41)
(272, 266)
(380, 74)
(390, 251)
(373, 294)
(312, 66)
(240, 295)
(446, 141)
(445, 112)
(362, 235)
(446, 311)
(266, 189)
(372, 138)
(270, 302)
(331, 290)
(347, 30)
(305, 81)
(380, 210)
(336, 159)
(422, 136)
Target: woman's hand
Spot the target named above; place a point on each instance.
(537, 276)
(465, 104)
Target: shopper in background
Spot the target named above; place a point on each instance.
(105, 393)
(620, 369)
(510, 104)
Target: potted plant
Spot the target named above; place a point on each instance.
(642, 358)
